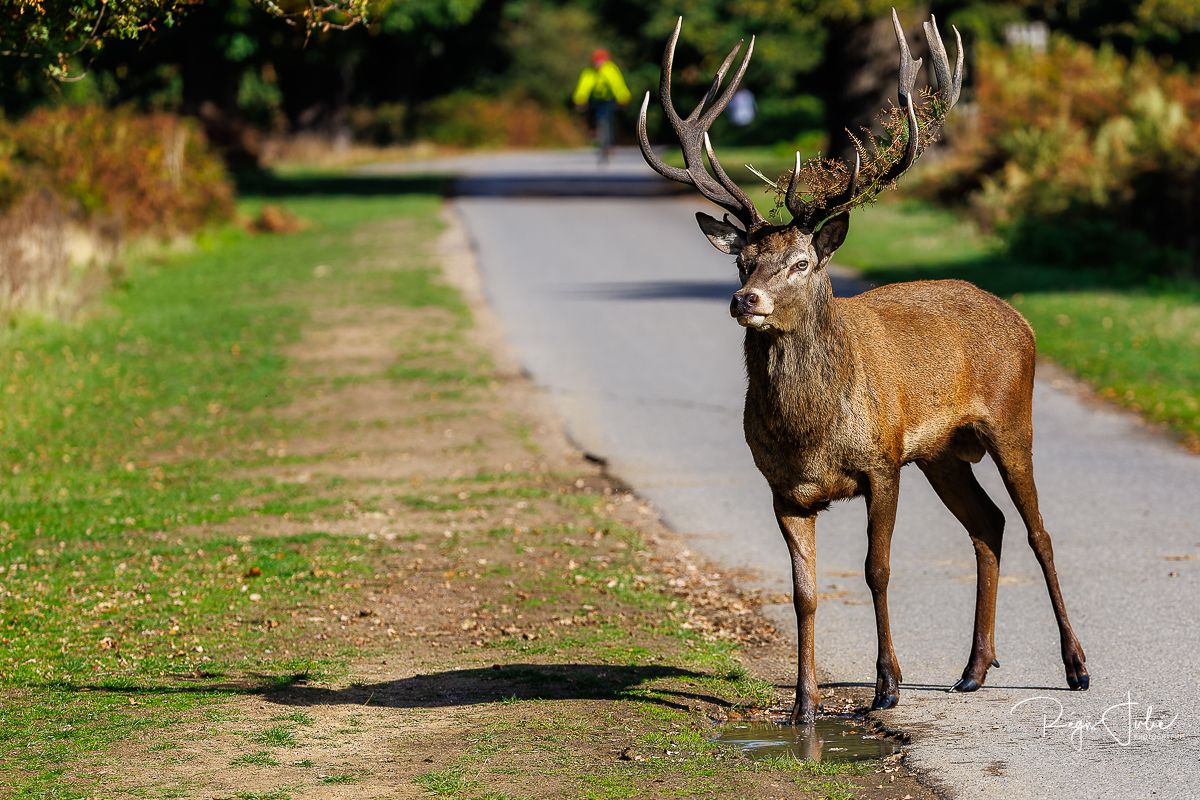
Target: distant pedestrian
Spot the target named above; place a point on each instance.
(601, 88)
(742, 108)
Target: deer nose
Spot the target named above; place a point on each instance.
(751, 302)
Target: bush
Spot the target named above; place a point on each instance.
(74, 180)
(381, 125)
(464, 119)
(1083, 155)
(152, 173)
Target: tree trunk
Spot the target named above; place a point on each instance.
(860, 72)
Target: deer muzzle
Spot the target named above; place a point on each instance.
(751, 307)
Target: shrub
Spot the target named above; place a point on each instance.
(74, 180)
(382, 125)
(464, 119)
(153, 173)
(1083, 155)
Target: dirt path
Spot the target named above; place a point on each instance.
(529, 628)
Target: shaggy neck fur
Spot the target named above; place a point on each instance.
(800, 381)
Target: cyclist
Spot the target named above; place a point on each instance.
(601, 88)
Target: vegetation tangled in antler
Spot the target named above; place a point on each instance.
(823, 178)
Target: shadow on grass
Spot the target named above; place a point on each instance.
(467, 687)
(460, 687)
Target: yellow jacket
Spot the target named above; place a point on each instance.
(603, 84)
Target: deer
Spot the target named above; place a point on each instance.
(844, 392)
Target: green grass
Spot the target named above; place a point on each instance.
(336, 780)
(299, 717)
(123, 433)
(271, 794)
(1135, 339)
(277, 736)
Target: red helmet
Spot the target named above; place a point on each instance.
(599, 56)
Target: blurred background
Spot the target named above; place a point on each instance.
(1076, 149)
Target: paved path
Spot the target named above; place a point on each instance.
(618, 307)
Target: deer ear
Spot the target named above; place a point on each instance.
(831, 236)
(724, 235)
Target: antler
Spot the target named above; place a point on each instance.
(692, 133)
(883, 171)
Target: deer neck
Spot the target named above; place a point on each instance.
(800, 381)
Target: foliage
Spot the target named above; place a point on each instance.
(1160, 26)
(54, 35)
(546, 46)
(1082, 155)
(152, 173)
(472, 120)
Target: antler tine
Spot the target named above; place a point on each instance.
(656, 163)
(692, 134)
(729, 185)
(949, 85)
(664, 81)
(907, 80)
(791, 199)
(711, 94)
(711, 112)
(908, 65)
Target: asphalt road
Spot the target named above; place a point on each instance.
(618, 307)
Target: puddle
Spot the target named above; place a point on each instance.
(829, 739)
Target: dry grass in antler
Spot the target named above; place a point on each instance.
(823, 178)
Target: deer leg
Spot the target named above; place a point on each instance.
(1016, 468)
(799, 527)
(881, 520)
(955, 484)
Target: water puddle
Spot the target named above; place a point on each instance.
(834, 739)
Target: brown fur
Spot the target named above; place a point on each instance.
(844, 392)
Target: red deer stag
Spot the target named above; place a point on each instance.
(843, 392)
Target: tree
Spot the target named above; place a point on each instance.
(57, 36)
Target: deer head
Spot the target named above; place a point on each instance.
(782, 265)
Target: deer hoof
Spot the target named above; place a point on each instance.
(803, 714)
(996, 662)
(1077, 675)
(965, 685)
(884, 701)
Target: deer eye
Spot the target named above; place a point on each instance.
(799, 266)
